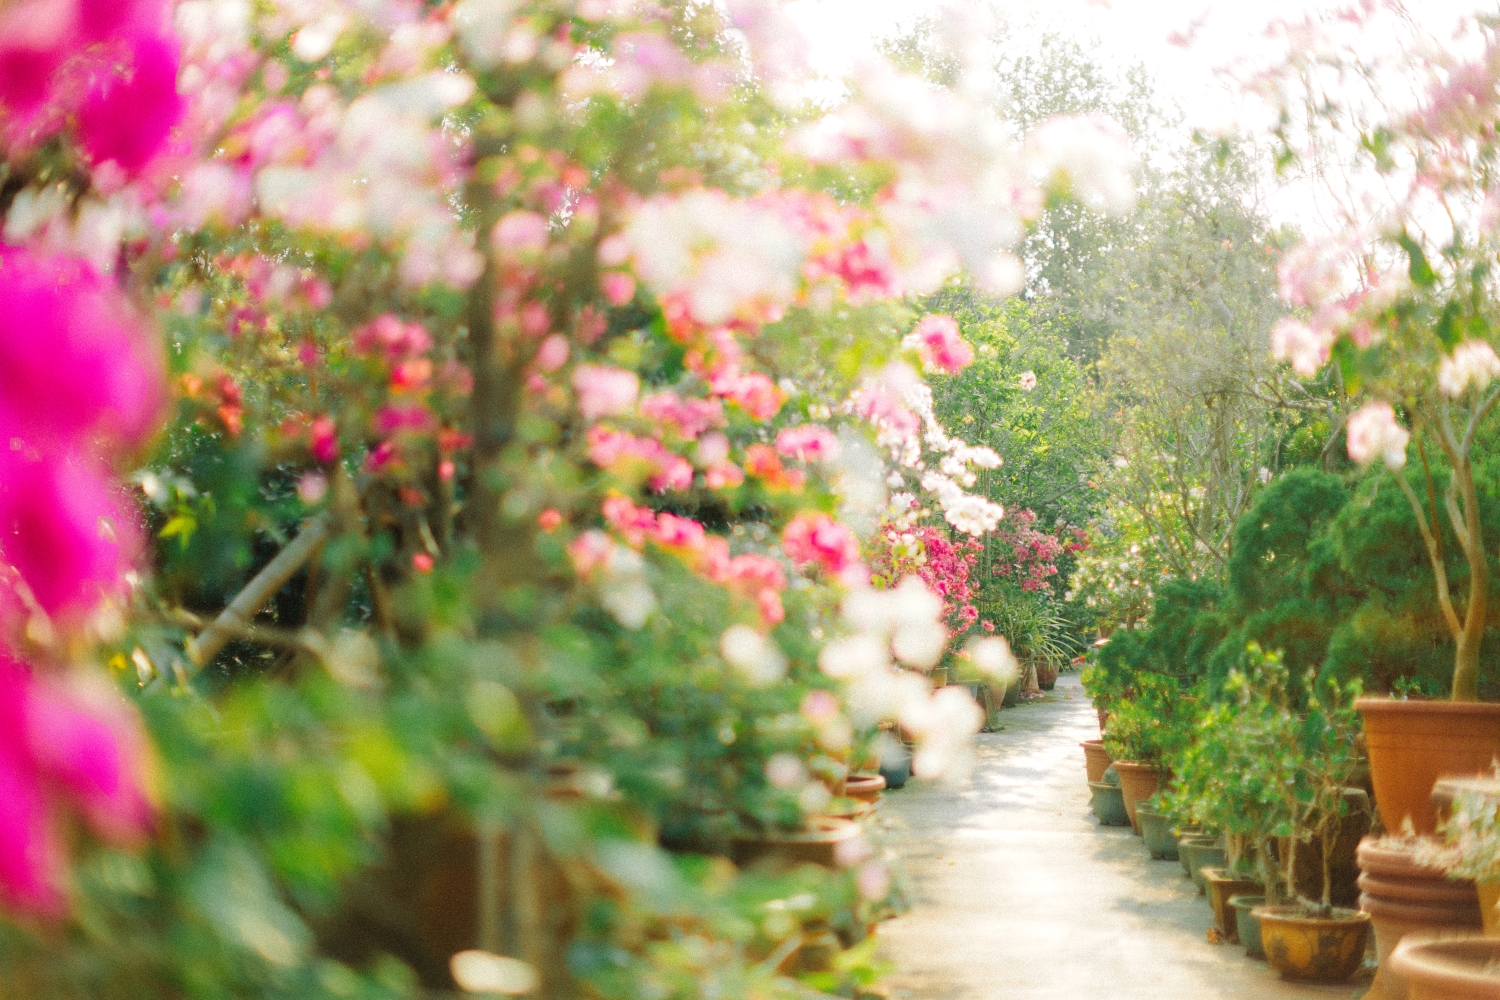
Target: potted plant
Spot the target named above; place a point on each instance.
(1471, 843)
(1146, 733)
(1307, 940)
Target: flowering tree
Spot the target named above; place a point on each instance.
(1398, 292)
(487, 545)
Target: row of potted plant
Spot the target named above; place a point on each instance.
(1254, 781)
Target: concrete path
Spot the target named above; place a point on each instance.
(1018, 894)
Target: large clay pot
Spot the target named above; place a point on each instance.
(1220, 886)
(1413, 743)
(1095, 759)
(1246, 924)
(864, 787)
(1405, 898)
(1458, 969)
(1489, 908)
(1315, 949)
(1156, 830)
(1108, 805)
(817, 843)
(1046, 676)
(1137, 783)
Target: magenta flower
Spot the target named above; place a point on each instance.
(808, 443)
(131, 107)
(818, 538)
(63, 529)
(73, 361)
(60, 746)
(936, 340)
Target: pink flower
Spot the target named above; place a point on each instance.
(388, 335)
(817, 538)
(808, 443)
(589, 551)
(553, 353)
(64, 530)
(323, 440)
(632, 522)
(723, 475)
(1028, 381)
(619, 288)
(550, 519)
(1374, 433)
(393, 418)
(1306, 348)
(673, 473)
(60, 746)
(521, 232)
(754, 393)
(73, 361)
(128, 112)
(936, 340)
(604, 392)
(688, 417)
(679, 532)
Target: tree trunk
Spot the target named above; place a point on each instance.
(1476, 611)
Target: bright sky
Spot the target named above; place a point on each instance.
(1129, 31)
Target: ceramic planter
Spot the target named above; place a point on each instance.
(1095, 759)
(1413, 743)
(1137, 783)
(1314, 949)
(1156, 830)
(1246, 924)
(1458, 969)
(864, 787)
(1220, 885)
(1489, 908)
(895, 767)
(1108, 804)
(1203, 852)
(1046, 676)
(816, 844)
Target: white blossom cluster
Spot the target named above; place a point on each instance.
(902, 626)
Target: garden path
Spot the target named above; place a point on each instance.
(1018, 894)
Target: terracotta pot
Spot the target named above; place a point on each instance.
(816, 844)
(1046, 676)
(1413, 743)
(1316, 949)
(1489, 908)
(1403, 897)
(1137, 783)
(1095, 759)
(1108, 805)
(1461, 969)
(1220, 886)
(864, 787)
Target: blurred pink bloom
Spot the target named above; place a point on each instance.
(1374, 433)
(808, 443)
(73, 361)
(129, 112)
(59, 745)
(755, 393)
(687, 417)
(553, 353)
(817, 538)
(604, 392)
(521, 232)
(1306, 348)
(63, 528)
(722, 475)
(619, 288)
(323, 439)
(389, 336)
(936, 340)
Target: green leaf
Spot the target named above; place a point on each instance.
(1447, 328)
(182, 527)
(1420, 271)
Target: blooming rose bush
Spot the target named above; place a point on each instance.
(491, 539)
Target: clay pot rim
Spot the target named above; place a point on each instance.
(1390, 706)
(1424, 958)
(1137, 766)
(1104, 784)
(1416, 890)
(1299, 916)
(1431, 914)
(1259, 901)
(1198, 838)
(1385, 856)
(1092, 743)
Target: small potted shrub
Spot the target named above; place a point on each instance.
(1471, 843)
(1145, 734)
(1307, 940)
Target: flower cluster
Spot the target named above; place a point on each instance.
(1026, 556)
(78, 385)
(942, 564)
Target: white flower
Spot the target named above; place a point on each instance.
(854, 656)
(1028, 381)
(1472, 363)
(1087, 154)
(1374, 433)
(784, 770)
(755, 656)
(993, 657)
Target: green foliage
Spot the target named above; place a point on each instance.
(1154, 723)
(1185, 626)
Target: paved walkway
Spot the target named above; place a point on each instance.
(1018, 894)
